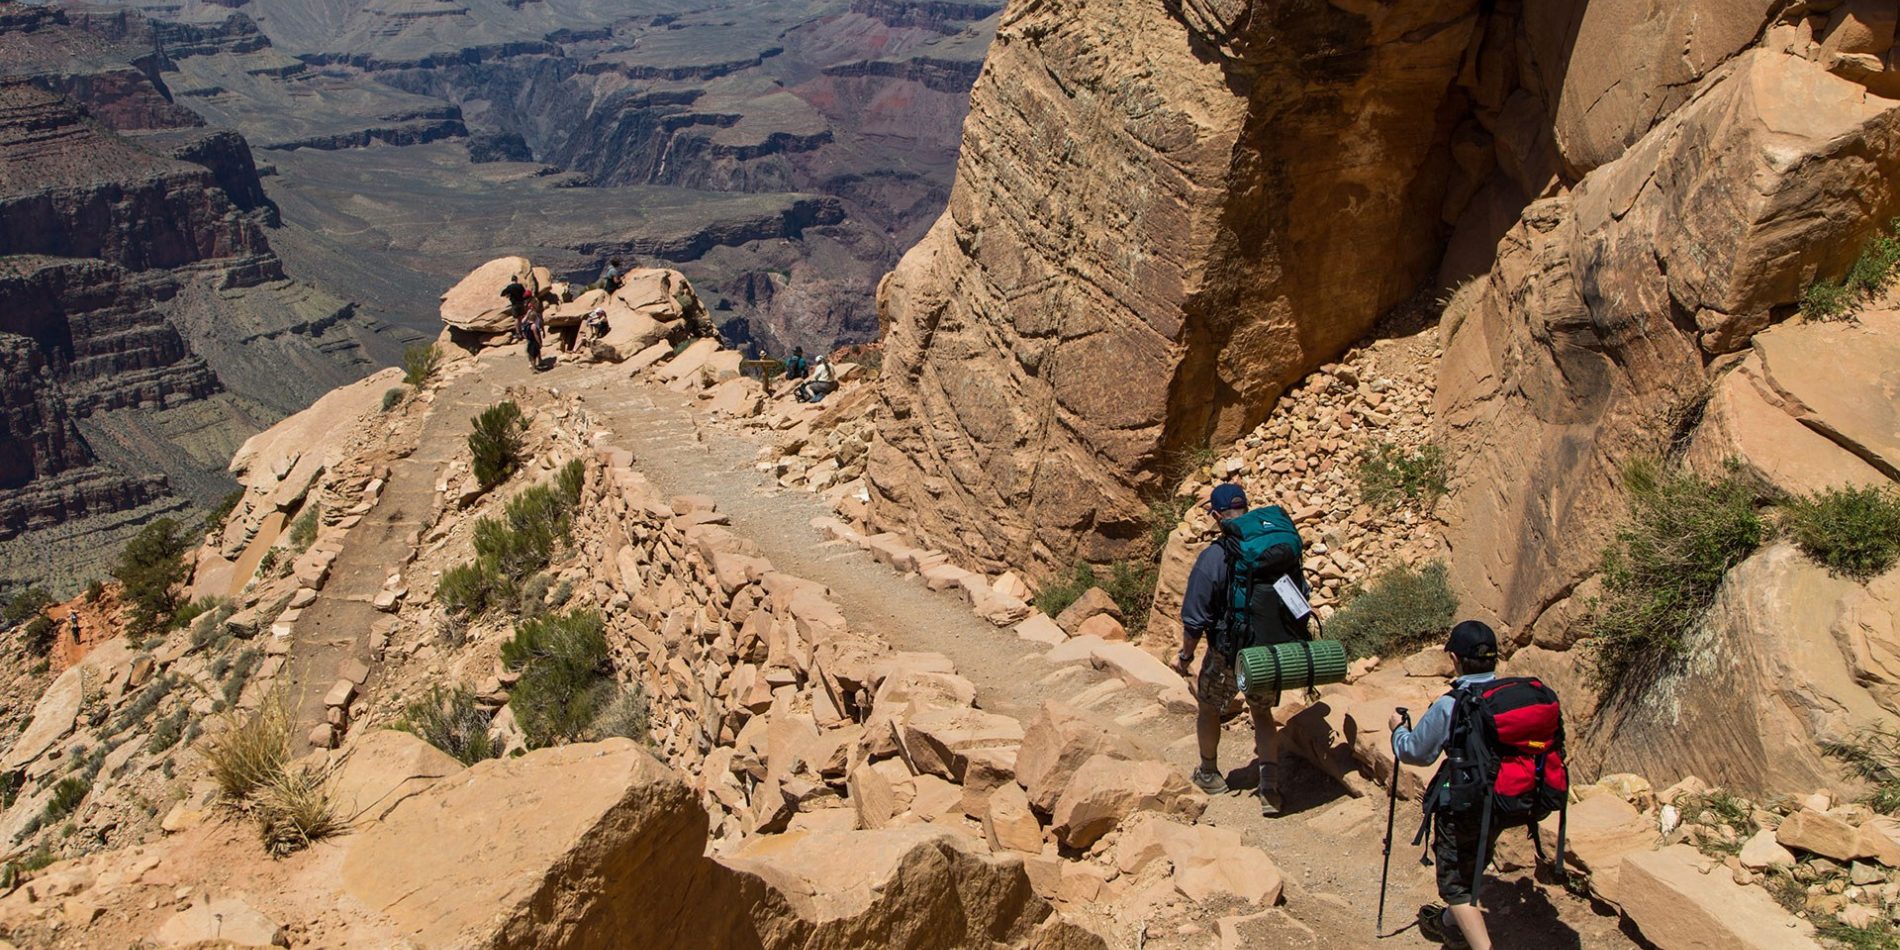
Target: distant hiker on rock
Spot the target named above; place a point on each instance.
(534, 330)
(1265, 545)
(1503, 744)
(612, 276)
(596, 325)
(796, 365)
(821, 384)
(517, 295)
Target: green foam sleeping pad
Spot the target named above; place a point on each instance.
(1285, 666)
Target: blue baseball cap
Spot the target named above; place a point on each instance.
(1227, 495)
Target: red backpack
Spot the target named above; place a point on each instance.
(1504, 762)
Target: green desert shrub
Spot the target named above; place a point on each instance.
(68, 794)
(168, 731)
(303, 531)
(1401, 610)
(496, 443)
(562, 660)
(1130, 584)
(509, 550)
(392, 397)
(1854, 531)
(240, 675)
(151, 567)
(39, 635)
(1389, 475)
(465, 589)
(419, 364)
(214, 519)
(1871, 272)
(1059, 592)
(24, 605)
(452, 721)
(569, 482)
(1680, 538)
(206, 606)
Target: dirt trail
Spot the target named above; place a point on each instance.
(1328, 846)
(1331, 865)
(335, 628)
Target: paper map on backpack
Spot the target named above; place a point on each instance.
(1290, 596)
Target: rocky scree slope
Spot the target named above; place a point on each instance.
(150, 326)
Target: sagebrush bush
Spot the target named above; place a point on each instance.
(452, 721)
(1854, 531)
(569, 482)
(251, 753)
(1401, 610)
(202, 607)
(247, 663)
(68, 794)
(509, 550)
(496, 442)
(151, 567)
(625, 713)
(419, 363)
(303, 531)
(1389, 475)
(39, 635)
(466, 589)
(562, 659)
(168, 731)
(296, 809)
(392, 397)
(1680, 538)
(1059, 592)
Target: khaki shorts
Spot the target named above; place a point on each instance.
(1218, 684)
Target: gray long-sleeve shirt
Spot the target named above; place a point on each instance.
(1421, 744)
(1203, 604)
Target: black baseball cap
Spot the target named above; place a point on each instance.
(1472, 640)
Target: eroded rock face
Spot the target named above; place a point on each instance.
(1589, 346)
(1149, 238)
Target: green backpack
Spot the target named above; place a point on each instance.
(1262, 547)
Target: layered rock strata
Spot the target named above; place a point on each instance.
(1153, 232)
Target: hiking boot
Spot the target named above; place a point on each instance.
(1209, 781)
(1431, 924)
(1271, 804)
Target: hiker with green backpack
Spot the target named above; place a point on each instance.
(1233, 603)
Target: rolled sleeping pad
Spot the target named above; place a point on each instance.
(1283, 666)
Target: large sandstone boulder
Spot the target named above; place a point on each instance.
(1678, 907)
(1055, 746)
(53, 718)
(1106, 790)
(599, 845)
(380, 768)
(1804, 657)
(475, 303)
(1087, 325)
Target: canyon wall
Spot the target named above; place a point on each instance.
(149, 325)
(1163, 215)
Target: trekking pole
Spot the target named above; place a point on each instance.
(1391, 810)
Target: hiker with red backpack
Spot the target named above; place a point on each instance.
(1232, 602)
(1503, 742)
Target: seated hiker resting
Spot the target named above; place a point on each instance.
(796, 366)
(1231, 603)
(1502, 739)
(821, 384)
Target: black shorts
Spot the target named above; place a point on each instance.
(1455, 851)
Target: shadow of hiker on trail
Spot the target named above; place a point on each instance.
(1519, 913)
